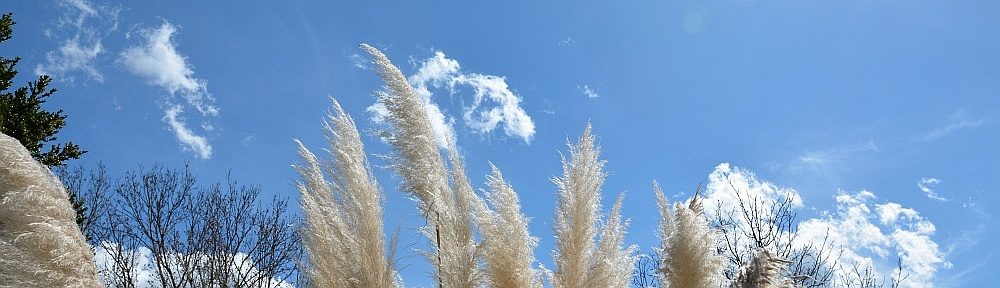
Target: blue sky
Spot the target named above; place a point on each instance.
(879, 103)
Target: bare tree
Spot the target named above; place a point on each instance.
(645, 274)
(162, 229)
(92, 188)
(770, 225)
(866, 277)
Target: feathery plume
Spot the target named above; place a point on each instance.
(614, 262)
(763, 272)
(40, 243)
(507, 246)
(343, 233)
(426, 177)
(578, 261)
(688, 245)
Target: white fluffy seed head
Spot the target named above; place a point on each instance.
(763, 272)
(508, 248)
(445, 204)
(580, 260)
(688, 246)
(342, 206)
(40, 243)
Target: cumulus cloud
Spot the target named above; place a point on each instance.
(157, 60)
(727, 183)
(927, 186)
(492, 103)
(876, 238)
(484, 117)
(588, 91)
(191, 141)
(82, 24)
(870, 234)
(144, 273)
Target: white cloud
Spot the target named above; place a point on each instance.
(726, 184)
(493, 103)
(72, 55)
(899, 233)
(358, 61)
(568, 41)
(144, 271)
(588, 91)
(249, 139)
(157, 60)
(82, 45)
(818, 158)
(890, 212)
(957, 122)
(191, 141)
(869, 235)
(927, 186)
(483, 117)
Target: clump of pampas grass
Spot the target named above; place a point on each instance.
(582, 261)
(687, 251)
(445, 204)
(40, 243)
(342, 206)
(507, 246)
(763, 272)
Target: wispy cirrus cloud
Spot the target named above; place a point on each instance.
(80, 27)
(193, 142)
(492, 104)
(926, 185)
(157, 60)
(833, 155)
(958, 120)
(590, 92)
(568, 41)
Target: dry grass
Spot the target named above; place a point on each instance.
(343, 234)
(445, 204)
(580, 260)
(508, 248)
(40, 243)
(688, 244)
